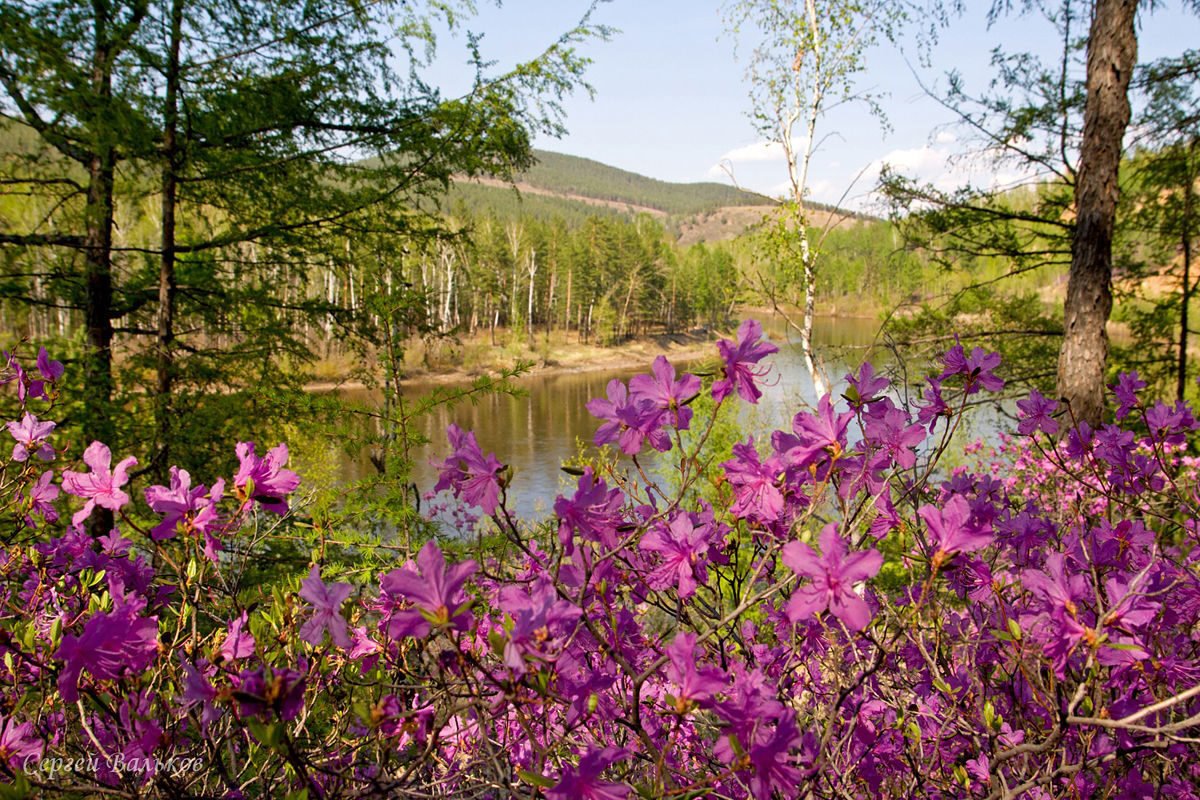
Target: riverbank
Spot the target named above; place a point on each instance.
(465, 358)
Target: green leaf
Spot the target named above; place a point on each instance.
(17, 790)
(535, 779)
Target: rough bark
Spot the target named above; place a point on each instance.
(1186, 244)
(98, 279)
(1111, 56)
(166, 276)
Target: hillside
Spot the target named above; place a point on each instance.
(583, 177)
(574, 188)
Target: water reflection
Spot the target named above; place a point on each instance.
(535, 433)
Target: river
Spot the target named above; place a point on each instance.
(536, 432)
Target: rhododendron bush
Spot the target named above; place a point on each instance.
(825, 612)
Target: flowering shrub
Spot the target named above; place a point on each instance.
(844, 620)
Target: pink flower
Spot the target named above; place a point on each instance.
(816, 435)
(113, 644)
(832, 577)
(468, 473)
(264, 480)
(594, 512)
(665, 392)
(435, 589)
(753, 482)
(100, 487)
(584, 783)
(740, 358)
(20, 746)
(326, 600)
(951, 531)
(31, 438)
(181, 505)
(239, 643)
(696, 684)
(41, 500)
(682, 546)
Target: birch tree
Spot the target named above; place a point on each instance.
(803, 60)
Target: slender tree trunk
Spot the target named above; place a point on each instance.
(166, 275)
(1186, 241)
(550, 302)
(570, 279)
(810, 312)
(529, 308)
(98, 284)
(1111, 56)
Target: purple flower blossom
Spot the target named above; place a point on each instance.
(594, 512)
(539, 620)
(468, 473)
(934, 407)
(20, 746)
(239, 643)
(100, 487)
(865, 388)
(199, 691)
(435, 589)
(665, 392)
(51, 370)
(113, 644)
(888, 428)
(1059, 589)
(832, 577)
(583, 782)
(1126, 388)
(1035, 412)
(682, 546)
(816, 435)
(740, 360)
(264, 480)
(41, 500)
(977, 368)
(630, 421)
(281, 690)
(754, 484)
(769, 760)
(326, 600)
(17, 375)
(951, 531)
(182, 506)
(697, 685)
(31, 438)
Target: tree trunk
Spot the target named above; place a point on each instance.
(98, 279)
(98, 214)
(1111, 56)
(166, 273)
(1186, 241)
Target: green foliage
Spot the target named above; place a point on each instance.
(258, 117)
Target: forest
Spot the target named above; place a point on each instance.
(237, 240)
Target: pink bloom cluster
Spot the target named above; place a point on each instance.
(823, 612)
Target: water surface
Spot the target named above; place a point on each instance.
(537, 432)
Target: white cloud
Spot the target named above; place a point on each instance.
(945, 137)
(947, 169)
(758, 151)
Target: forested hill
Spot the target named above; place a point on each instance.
(572, 175)
(573, 189)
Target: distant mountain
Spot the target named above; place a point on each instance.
(575, 176)
(574, 188)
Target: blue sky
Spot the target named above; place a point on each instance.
(671, 101)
